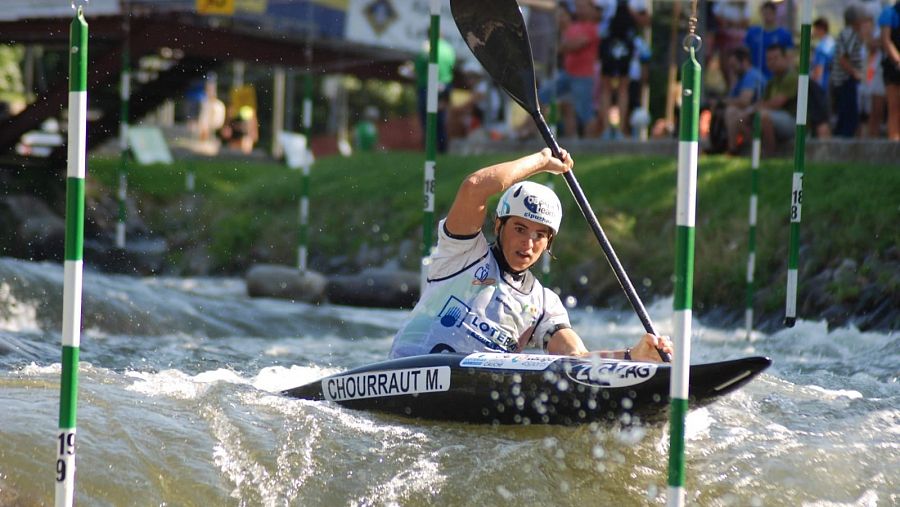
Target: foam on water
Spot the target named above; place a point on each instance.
(16, 316)
(177, 384)
(275, 379)
(180, 383)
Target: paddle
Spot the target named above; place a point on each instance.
(495, 32)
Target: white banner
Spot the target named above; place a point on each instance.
(149, 146)
(401, 25)
(14, 10)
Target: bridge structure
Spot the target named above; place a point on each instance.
(171, 45)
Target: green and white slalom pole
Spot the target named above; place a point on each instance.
(431, 108)
(303, 237)
(124, 98)
(684, 265)
(751, 241)
(74, 247)
(790, 310)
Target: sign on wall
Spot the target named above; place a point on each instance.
(401, 25)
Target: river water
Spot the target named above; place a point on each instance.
(179, 405)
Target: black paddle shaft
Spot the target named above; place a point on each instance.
(495, 32)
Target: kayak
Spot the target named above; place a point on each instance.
(495, 388)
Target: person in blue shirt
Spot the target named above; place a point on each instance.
(749, 83)
(823, 54)
(889, 22)
(760, 38)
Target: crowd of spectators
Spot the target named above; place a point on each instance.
(603, 64)
(854, 86)
(854, 74)
(603, 59)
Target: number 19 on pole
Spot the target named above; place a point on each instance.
(65, 463)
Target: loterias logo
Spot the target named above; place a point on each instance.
(611, 373)
(455, 313)
(386, 383)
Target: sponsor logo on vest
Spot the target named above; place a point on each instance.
(386, 383)
(481, 277)
(455, 313)
(611, 374)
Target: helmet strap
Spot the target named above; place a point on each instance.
(497, 247)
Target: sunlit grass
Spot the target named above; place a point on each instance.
(250, 212)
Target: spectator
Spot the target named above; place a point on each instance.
(542, 27)
(446, 61)
(739, 104)
(823, 55)
(639, 75)
(212, 113)
(365, 133)
(849, 70)
(481, 113)
(778, 107)
(889, 22)
(194, 97)
(760, 38)
(241, 131)
(607, 9)
(871, 90)
(564, 117)
(616, 52)
(730, 18)
(579, 49)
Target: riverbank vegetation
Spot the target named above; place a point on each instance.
(366, 211)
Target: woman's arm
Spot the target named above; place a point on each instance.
(469, 208)
(566, 342)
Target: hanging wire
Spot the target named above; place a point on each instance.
(692, 41)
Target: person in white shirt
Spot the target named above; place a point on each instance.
(481, 297)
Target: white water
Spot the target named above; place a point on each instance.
(178, 405)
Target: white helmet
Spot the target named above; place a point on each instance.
(531, 201)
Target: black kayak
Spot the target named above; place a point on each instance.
(492, 388)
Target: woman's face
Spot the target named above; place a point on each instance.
(523, 241)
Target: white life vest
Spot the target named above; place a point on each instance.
(468, 305)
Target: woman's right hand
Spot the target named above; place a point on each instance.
(554, 165)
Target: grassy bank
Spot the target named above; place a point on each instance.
(367, 209)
